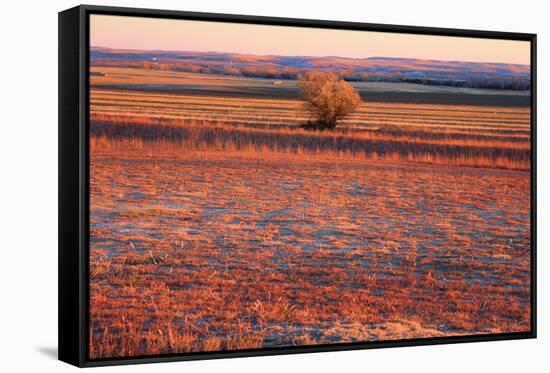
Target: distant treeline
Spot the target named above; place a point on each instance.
(501, 82)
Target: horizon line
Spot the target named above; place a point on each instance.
(311, 56)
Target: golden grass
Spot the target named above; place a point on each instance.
(254, 151)
(116, 132)
(217, 223)
(288, 112)
(426, 137)
(216, 250)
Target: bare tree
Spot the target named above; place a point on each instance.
(328, 97)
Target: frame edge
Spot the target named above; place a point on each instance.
(69, 212)
(72, 175)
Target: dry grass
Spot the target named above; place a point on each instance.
(217, 223)
(272, 112)
(218, 250)
(111, 132)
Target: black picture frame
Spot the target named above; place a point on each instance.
(74, 182)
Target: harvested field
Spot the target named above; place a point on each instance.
(218, 223)
(442, 134)
(213, 250)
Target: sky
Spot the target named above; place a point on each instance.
(123, 32)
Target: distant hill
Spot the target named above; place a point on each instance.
(433, 72)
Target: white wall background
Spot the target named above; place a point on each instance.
(28, 184)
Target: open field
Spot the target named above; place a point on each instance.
(483, 136)
(219, 250)
(171, 82)
(218, 223)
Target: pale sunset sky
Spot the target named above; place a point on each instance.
(200, 36)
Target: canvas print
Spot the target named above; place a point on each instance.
(259, 186)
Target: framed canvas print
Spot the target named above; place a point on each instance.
(238, 186)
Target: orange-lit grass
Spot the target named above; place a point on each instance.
(219, 250)
(216, 224)
(365, 145)
(285, 112)
(425, 137)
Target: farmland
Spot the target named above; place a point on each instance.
(218, 223)
(436, 133)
